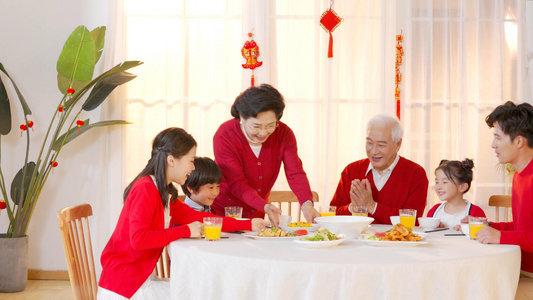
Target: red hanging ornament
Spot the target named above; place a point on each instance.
(398, 76)
(30, 125)
(70, 92)
(329, 21)
(2, 204)
(23, 128)
(80, 123)
(250, 52)
(60, 108)
(53, 164)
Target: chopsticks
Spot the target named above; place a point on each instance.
(454, 234)
(435, 230)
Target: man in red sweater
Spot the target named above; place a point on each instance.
(384, 182)
(513, 143)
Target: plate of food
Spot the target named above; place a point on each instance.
(399, 236)
(323, 238)
(271, 233)
(300, 225)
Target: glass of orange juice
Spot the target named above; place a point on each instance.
(360, 211)
(328, 211)
(212, 228)
(475, 224)
(408, 218)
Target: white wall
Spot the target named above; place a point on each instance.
(32, 34)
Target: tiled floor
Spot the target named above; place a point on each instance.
(42, 290)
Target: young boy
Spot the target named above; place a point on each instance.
(513, 143)
(203, 184)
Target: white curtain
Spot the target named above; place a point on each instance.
(462, 58)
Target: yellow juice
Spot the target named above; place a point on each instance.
(327, 213)
(360, 214)
(212, 232)
(408, 221)
(474, 228)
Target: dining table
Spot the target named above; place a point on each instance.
(444, 265)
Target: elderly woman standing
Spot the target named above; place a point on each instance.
(250, 149)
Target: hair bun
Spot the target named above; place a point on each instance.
(467, 164)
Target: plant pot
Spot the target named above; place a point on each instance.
(13, 264)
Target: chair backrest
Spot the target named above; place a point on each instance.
(74, 225)
(501, 201)
(288, 197)
(162, 268)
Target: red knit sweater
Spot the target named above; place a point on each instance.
(520, 230)
(140, 236)
(247, 179)
(406, 187)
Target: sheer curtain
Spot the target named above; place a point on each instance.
(462, 58)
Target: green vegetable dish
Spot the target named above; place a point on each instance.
(322, 235)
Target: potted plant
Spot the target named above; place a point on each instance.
(80, 92)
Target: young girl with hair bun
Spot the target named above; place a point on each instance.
(452, 181)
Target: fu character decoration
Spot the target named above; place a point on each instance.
(250, 52)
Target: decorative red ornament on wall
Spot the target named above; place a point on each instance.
(250, 52)
(398, 76)
(330, 21)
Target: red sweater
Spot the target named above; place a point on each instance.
(407, 187)
(140, 236)
(247, 179)
(520, 230)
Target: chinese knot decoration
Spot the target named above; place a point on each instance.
(329, 21)
(250, 52)
(398, 77)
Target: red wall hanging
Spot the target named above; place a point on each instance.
(329, 21)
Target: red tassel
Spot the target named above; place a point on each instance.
(398, 109)
(253, 80)
(330, 47)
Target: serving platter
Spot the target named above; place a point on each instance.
(319, 244)
(253, 235)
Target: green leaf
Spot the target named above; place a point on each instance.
(73, 133)
(98, 35)
(16, 185)
(104, 87)
(5, 110)
(77, 59)
(115, 70)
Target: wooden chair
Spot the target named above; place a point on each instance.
(74, 226)
(501, 201)
(288, 197)
(162, 268)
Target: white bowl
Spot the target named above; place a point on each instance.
(465, 228)
(429, 223)
(351, 226)
(394, 220)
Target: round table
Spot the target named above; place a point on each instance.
(239, 267)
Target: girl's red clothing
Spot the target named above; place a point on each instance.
(248, 179)
(520, 230)
(406, 187)
(140, 236)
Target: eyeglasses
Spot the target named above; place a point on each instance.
(268, 128)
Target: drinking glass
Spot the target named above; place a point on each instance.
(233, 211)
(360, 211)
(328, 211)
(408, 218)
(475, 224)
(212, 228)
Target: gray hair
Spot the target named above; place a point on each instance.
(388, 121)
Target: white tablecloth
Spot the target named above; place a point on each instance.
(448, 267)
